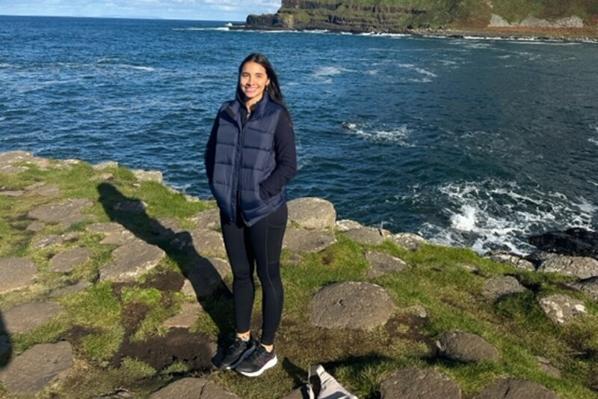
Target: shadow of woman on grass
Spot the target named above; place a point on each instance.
(211, 292)
(5, 345)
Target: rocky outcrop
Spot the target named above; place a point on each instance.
(16, 273)
(466, 347)
(496, 21)
(401, 16)
(516, 389)
(352, 305)
(498, 287)
(562, 309)
(27, 317)
(35, 368)
(414, 383)
(580, 267)
(193, 388)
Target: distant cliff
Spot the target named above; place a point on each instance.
(405, 15)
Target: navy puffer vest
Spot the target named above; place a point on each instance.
(244, 158)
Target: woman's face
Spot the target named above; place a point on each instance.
(253, 81)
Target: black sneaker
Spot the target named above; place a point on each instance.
(257, 362)
(236, 352)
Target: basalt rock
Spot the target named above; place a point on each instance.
(571, 242)
(414, 383)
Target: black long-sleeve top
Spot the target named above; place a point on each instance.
(284, 148)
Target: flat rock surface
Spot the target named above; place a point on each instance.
(132, 260)
(347, 224)
(186, 317)
(498, 287)
(560, 308)
(192, 388)
(36, 226)
(413, 383)
(16, 273)
(12, 193)
(148, 175)
(365, 235)
(547, 367)
(66, 261)
(589, 286)
(516, 389)
(382, 263)
(54, 239)
(129, 206)
(35, 368)
(209, 219)
(466, 347)
(409, 241)
(10, 157)
(26, 317)
(65, 212)
(301, 240)
(578, 266)
(70, 289)
(312, 213)
(44, 190)
(208, 243)
(352, 305)
(205, 276)
(114, 233)
(512, 259)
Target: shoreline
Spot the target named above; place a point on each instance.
(573, 35)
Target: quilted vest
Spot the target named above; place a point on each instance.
(244, 158)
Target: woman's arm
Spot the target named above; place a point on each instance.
(286, 158)
(210, 152)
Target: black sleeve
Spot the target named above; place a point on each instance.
(286, 158)
(210, 152)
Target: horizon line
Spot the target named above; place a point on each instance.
(123, 17)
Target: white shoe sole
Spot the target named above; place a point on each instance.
(271, 363)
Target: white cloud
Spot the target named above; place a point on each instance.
(182, 9)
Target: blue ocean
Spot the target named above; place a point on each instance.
(472, 142)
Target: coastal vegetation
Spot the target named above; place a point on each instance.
(120, 324)
(416, 15)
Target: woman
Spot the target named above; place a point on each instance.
(249, 159)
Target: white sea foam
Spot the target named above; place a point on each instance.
(2, 118)
(217, 28)
(594, 139)
(398, 135)
(4, 65)
(497, 214)
(326, 71)
(138, 67)
(425, 75)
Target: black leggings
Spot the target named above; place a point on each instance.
(247, 247)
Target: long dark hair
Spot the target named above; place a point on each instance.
(273, 88)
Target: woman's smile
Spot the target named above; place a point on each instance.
(253, 81)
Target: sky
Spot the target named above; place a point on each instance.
(215, 10)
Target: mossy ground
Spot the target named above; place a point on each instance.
(104, 318)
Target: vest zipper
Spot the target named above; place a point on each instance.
(238, 167)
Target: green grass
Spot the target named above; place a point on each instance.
(95, 320)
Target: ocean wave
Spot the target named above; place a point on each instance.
(137, 67)
(383, 34)
(214, 28)
(594, 140)
(428, 75)
(495, 214)
(398, 135)
(327, 71)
